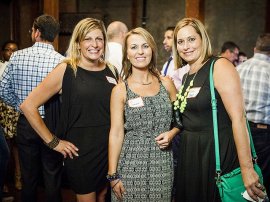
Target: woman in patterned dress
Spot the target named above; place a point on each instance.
(140, 161)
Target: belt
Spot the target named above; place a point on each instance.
(259, 125)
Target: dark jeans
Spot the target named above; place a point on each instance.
(36, 160)
(4, 156)
(261, 139)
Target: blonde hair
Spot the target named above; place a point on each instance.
(127, 70)
(200, 29)
(80, 31)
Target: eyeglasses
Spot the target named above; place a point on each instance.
(30, 31)
(235, 52)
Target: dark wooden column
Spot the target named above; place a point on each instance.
(134, 13)
(51, 7)
(195, 9)
(267, 17)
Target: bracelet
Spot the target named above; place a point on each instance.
(52, 144)
(112, 177)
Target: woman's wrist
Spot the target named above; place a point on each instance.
(174, 132)
(53, 143)
(113, 176)
(246, 166)
(111, 172)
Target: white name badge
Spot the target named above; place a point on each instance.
(111, 80)
(136, 102)
(193, 92)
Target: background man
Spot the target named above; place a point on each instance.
(116, 33)
(168, 67)
(175, 73)
(230, 51)
(255, 74)
(25, 70)
(8, 48)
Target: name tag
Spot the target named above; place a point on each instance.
(193, 92)
(111, 80)
(136, 102)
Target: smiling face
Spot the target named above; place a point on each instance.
(92, 46)
(189, 44)
(139, 52)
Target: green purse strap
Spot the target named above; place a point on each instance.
(215, 124)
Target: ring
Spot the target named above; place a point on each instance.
(258, 185)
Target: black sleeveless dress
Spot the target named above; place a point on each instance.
(195, 177)
(85, 121)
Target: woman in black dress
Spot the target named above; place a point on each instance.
(86, 83)
(195, 178)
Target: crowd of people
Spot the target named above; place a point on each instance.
(122, 128)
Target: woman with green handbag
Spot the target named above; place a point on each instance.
(196, 172)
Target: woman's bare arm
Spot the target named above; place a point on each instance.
(227, 83)
(51, 85)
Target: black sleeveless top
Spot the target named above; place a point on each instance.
(85, 98)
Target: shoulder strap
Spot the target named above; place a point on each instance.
(214, 116)
(215, 123)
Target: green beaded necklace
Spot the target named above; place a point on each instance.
(181, 100)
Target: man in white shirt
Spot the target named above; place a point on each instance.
(116, 33)
(168, 67)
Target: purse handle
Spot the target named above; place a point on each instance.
(215, 124)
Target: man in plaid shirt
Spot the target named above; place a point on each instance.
(25, 70)
(255, 79)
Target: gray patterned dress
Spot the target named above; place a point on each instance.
(147, 171)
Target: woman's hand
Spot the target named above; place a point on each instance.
(253, 186)
(118, 189)
(67, 148)
(164, 139)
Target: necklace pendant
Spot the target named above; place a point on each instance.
(182, 99)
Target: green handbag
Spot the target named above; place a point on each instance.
(231, 185)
